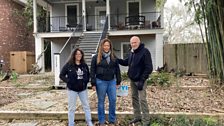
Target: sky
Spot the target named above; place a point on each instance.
(171, 2)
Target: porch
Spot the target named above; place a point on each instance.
(118, 22)
(90, 15)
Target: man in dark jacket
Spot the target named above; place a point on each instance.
(140, 66)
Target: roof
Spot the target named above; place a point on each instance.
(22, 2)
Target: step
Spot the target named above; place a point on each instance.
(79, 116)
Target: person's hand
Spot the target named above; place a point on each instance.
(94, 88)
(140, 85)
(117, 86)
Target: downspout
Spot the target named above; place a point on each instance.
(108, 12)
(34, 16)
(84, 14)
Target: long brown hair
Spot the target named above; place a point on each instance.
(71, 59)
(100, 50)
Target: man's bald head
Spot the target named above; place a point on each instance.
(135, 42)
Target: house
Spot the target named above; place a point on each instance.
(13, 31)
(83, 23)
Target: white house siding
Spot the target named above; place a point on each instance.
(148, 40)
(39, 47)
(159, 49)
(150, 43)
(56, 46)
(58, 10)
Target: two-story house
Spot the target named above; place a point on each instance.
(83, 23)
(14, 34)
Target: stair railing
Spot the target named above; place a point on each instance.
(103, 34)
(57, 64)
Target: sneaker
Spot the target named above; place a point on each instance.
(101, 124)
(111, 124)
(135, 120)
(90, 124)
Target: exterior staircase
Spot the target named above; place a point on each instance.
(88, 44)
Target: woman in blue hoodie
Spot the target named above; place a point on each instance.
(76, 74)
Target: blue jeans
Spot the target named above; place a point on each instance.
(72, 97)
(103, 88)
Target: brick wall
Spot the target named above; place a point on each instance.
(14, 35)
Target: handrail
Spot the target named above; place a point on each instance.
(104, 33)
(73, 32)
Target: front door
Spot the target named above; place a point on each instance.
(100, 17)
(71, 13)
(133, 10)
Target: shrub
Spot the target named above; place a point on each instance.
(124, 76)
(162, 79)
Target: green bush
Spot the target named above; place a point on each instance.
(14, 76)
(124, 76)
(162, 79)
(180, 121)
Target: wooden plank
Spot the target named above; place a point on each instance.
(55, 115)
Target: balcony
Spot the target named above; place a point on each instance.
(145, 20)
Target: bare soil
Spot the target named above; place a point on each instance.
(191, 98)
(207, 98)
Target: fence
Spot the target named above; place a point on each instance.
(186, 57)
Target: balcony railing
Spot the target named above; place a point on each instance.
(145, 20)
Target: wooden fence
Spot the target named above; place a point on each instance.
(186, 57)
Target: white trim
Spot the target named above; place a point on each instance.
(66, 5)
(122, 44)
(131, 1)
(97, 9)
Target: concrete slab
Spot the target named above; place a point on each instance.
(43, 105)
(23, 124)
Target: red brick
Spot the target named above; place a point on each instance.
(14, 35)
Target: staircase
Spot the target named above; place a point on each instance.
(88, 44)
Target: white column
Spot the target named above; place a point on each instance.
(108, 12)
(162, 18)
(159, 50)
(39, 56)
(34, 16)
(56, 69)
(84, 14)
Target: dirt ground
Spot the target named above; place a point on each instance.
(176, 99)
(160, 99)
(24, 86)
(187, 94)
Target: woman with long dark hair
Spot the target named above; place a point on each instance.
(105, 78)
(76, 74)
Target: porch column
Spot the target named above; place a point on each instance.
(56, 69)
(162, 18)
(108, 12)
(84, 14)
(34, 16)
(39, 47)
(159, 50)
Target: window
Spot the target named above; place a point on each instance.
(125, 47)
(133, 8)
(72, 14)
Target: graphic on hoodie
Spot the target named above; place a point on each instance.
(79, 74)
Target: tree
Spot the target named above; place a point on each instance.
(209, 16)
(180, 26)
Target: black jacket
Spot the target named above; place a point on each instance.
(69, 75)
(104, 71)
(140, 64)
